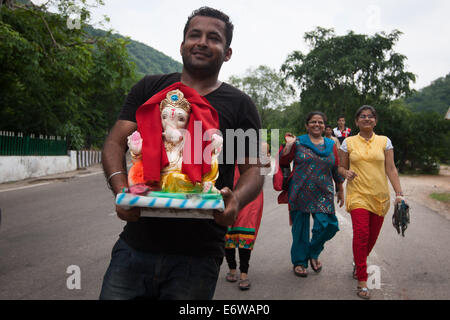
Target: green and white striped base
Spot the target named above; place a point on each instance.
(173, 205)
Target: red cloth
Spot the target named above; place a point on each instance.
(154, 157)
(285, 161)
(336, 156)
(278, 175)
(250, 216)
(366, 228)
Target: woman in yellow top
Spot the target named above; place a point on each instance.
(365, 161)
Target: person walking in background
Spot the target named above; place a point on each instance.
(242, 234)
(311, 191)
(341, 131)
(366, 159)
(330, 135)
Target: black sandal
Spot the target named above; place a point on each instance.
(231, 277)
(363, 293)
(316, 270)
(303, 274)
(244, 284)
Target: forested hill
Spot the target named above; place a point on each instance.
(147, 59)
(435, 97)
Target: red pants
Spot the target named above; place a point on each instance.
(366, 228)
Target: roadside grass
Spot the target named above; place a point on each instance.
(443, 197)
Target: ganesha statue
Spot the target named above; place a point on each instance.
(163, 173)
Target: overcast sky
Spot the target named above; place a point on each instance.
(267, 31)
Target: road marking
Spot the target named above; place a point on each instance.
(89, 174)
(25, 187)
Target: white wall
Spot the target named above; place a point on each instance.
(13, 168)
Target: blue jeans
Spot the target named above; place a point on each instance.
(324, 228)
(140, 275)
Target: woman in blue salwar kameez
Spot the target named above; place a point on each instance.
(311, 192)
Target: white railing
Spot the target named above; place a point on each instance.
(86, 158)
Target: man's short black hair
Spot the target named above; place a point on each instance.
(212, 13)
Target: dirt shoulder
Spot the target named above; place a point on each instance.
(419, 187)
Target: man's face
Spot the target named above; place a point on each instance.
(204, 47)
(341, 122)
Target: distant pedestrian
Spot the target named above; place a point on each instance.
(341, 131)
(366, 160)
(311, 192)
(330, 135)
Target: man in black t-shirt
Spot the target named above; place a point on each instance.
(179, 258)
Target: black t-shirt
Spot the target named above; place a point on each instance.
(197, 237)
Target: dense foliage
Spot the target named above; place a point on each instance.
(264, 86)
(420, 139)
(341, 73)
(147, 59)
(61, 80)
(435, 97)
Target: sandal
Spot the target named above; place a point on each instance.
(302, 274)
(231, 277)
(363, 293)
(318, 269)
(244, 284)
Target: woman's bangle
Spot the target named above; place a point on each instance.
(112, 175)
(399, 194)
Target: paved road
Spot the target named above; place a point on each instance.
(70, 221)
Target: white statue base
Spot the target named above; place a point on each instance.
(173, 205)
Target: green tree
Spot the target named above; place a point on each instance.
(264, 86)
(287, 118)
(56, 79)
(341, 73)
(147, 59)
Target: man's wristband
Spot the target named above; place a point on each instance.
(112, 175)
